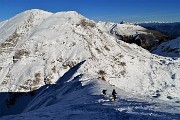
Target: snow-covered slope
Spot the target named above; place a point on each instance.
(81, 99)
(133, 34)
(63, 39)
(22, 23)
(22, 102)
(122, 29)
(37, 53)
(170, 48)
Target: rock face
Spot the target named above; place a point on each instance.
(37, 47)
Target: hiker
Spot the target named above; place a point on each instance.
(114, 94)
(104, 92)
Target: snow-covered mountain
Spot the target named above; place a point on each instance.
(133, 34)
(38, 47)
(168, 49)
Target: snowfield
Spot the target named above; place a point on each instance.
(40, 50)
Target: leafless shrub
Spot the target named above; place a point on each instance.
(121, 56)
(11, 41)
(37, 79)
(123, 73)
(73, 44)
(20, 53)
(54, 69)
(99, 51)
(24, 87)
(4, 82)
(85, 23)
(100, 31)
(53, 61)
(60, 59)
(28, 82)
(102, 78)
(37, 75)
(5, 45)
(48, 79)
(106, 48)
(122, 63)
(102, 74)
(115, 58)
(69, 64)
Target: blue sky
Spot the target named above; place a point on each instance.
(100, 10)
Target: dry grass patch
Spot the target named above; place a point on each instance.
(85, 23)
(20, 53)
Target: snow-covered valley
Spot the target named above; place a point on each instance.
(39, 51)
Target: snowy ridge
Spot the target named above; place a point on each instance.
(133, 34)
(121, 29)
(60, 41)
(29, 19)
(80, 99)
(36, 99)
(170, 48)
(56, 42)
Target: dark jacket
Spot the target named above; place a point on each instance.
(114, 92)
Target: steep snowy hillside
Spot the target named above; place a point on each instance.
(18, 102)
(66, 38)
(133, 34)
(168, 49)
(22, 23)
(121, 29)
(38, 47)
(81, 99)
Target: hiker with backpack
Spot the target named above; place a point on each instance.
(114, 95)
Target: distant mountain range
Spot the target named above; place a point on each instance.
(170, 29)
